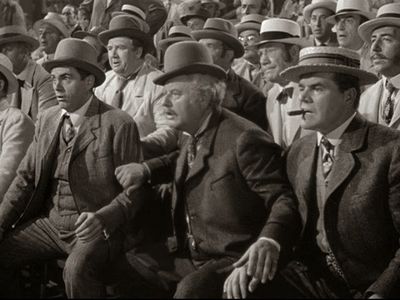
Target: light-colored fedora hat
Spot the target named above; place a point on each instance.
(388, 15)
(6, 69)
(188, 57)
(17, 33)
(77, 53)
(220, 4)
(328, 60)
(136, 8)
(176, 34)
(223, 30)
(279, 30)
(127, 26)
(250, 22)
(55, 20)
(191, 9)
(328, 4)
(357, 7)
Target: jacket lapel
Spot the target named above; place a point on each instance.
(396, 114)
(27, 97)
(352, 140)
(88, 130)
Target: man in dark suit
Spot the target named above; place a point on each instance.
(347, 179)
(65, 201)
(229, 187)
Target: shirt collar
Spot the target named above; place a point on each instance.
(77, 115)
(334, 137)
(25, 72)
(395, 81)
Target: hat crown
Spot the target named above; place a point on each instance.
(252, 18)
(345, 5)
(191, 8)
(221, 25)
(6, 62)
(13, 30)
(179, 31)
(77, 49)
(127, 22)
(184, 54)
(329, 55)
(279, 25)
(389, 10)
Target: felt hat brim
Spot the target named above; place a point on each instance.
(202, 68)
(11, 79)
(33, 43)
(295, 72)
(143, 37)
(330, 5)
(303, 43)
(165, 43)
(231, 41)
(82, 34)
(74, 62)
(365, 30)
(55, 23)
(220, 4)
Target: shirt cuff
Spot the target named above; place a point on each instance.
(272, 241)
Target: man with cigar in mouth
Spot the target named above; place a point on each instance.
(380, 102)
(346, 177)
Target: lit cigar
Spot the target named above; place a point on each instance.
(296, 112)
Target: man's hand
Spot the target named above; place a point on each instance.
(131, 176)
(235, 286)
(88, 227)
(262, 262)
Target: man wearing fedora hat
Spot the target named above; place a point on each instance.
(213, 7)
(248, 66)
(65, 201)
(380, 102)
(350, 14)
(129, 85)
(176, 34)
(279, 49)
(242, 97)
(51, 30)
(228, 172)
(15, 127)
(192, 14)
(35, 91)
(315, 14)
(346, 179)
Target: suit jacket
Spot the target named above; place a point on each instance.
(362, 212)
(371, 101)
(37, 93)
(331, 43)
(101, 13)
(107, 138)
(236, 189)
(16, 133)
(245, 99)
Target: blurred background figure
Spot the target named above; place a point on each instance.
(70, 16)
(213, 7)
(11, 13)
(192, 14)
(83, 19)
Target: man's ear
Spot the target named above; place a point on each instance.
(294, 52)
(90, 81)
(350, 95)
(139, 52)
(2, 86)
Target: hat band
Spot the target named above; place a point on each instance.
(135, 10)
(276, 35)
(332, 59)
(217, 29)
(347, 10)
(391, 15)
(178, 34)
(8, 35)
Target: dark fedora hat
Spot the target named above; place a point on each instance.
(136, 8)
(176, 34)
(127, 26)
(73, 52)
(223, 30)
(191, 9)
(17, 33)
(188, 57)
(55, 20)
(328, 60)
(250, 22)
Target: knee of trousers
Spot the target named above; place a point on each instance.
(197, 285)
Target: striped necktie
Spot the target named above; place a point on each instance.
(388, 107)
(327, 156)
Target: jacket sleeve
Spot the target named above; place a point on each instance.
(262, 166)
(127, 149)
(17, 134)
(254, 109)
(46, 96)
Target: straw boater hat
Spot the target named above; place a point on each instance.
(189, 57)
(250, 22)
(17, 33)
(136, 8)
(278, 30)
(328, 4)
(388, 15)
(176, 34)
(73, 52)
(191, 9)
(6, 69)
(54, 20)
(345, 7)
(127, 26)
(220, 4)
(223, 30)
(328, 60)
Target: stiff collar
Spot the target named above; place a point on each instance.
(334, 137)
(77, 115)
(395, 81)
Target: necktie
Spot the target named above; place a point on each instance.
(191, 153)
(389, 104)
(121, 83)
(68, 129)
(285, 95)
(327, 156)
(17, 98)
